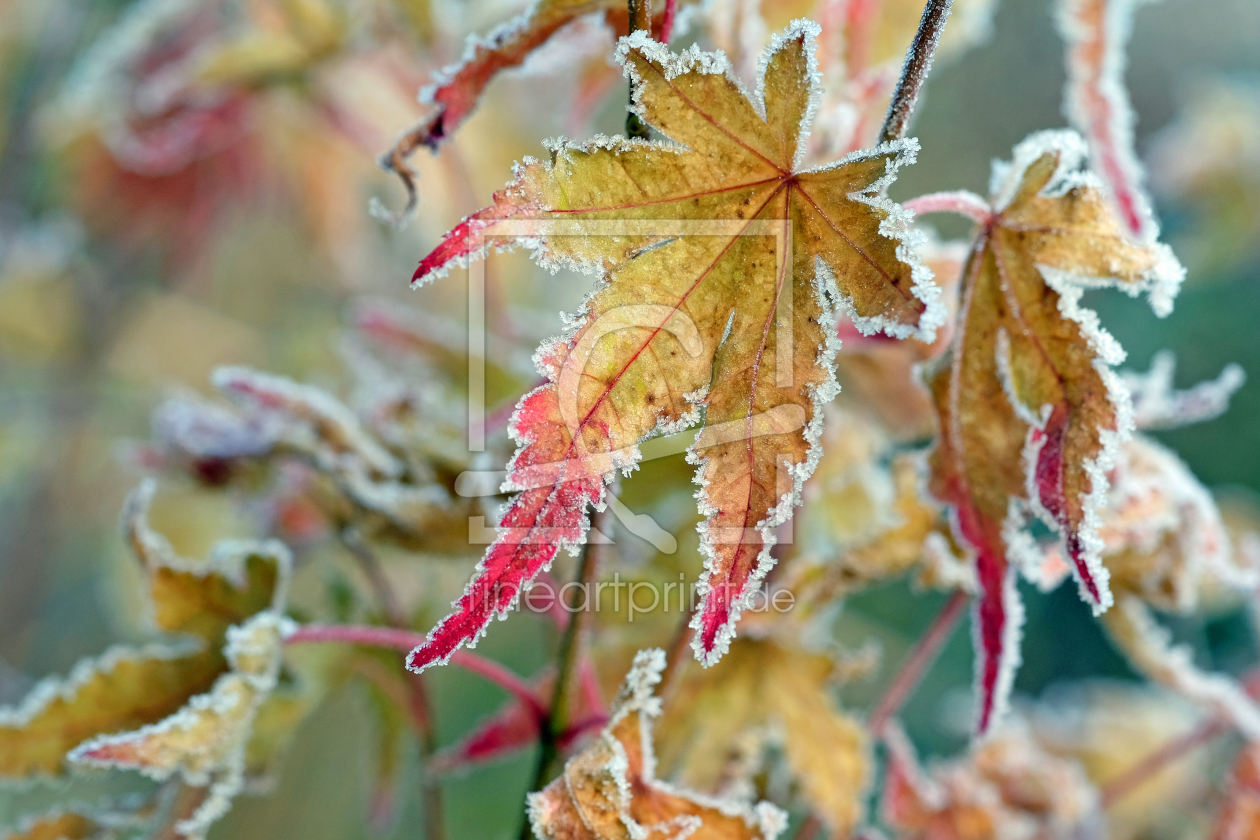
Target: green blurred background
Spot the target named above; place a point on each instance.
(112, 295)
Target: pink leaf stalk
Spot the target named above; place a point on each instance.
(1096, 102)
(961, 202)
(407, 640)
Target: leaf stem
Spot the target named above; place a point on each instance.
(1184, 744)
(962, 202)
(406, 640)
(920, 660)
(640, 21)
(667, 20)
(915, 71)
(675, 661)
(1179, 747)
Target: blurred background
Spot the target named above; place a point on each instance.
(144, 243)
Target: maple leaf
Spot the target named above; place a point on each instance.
(722, 266)
(880, 373)
(1030, 411)
(1158, 405)
(206, 740)
(609, 791)
(128, 687)
(782, 696)
(912, 533)
(1109, 727)
(1166, 545)
(1008, 787)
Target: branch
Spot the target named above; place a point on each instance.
(915, 71)
(418, 702)
(640, 20)
(556, 723)
(1128, 781)
(920, 660)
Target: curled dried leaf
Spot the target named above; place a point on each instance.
(1008, 787)
(774, 696)
(1030, 410)
(609, 791)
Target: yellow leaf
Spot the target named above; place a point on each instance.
(723, 267)
(204, 598)
(609, 791)
(206, 740)
(127, 688)
(62, 825)
(120, 689)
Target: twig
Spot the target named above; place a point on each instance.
(809, 828)
(920, 660)
(915, 71)
(678, 654)
(406, 640)
(556, 722)
(640, 20)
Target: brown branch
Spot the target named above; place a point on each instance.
(919, 662)
(640, 20)
(556, 724)
(915, 71)
(397, 160)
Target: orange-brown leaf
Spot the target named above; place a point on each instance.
(1030, 411)
(609, 791)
